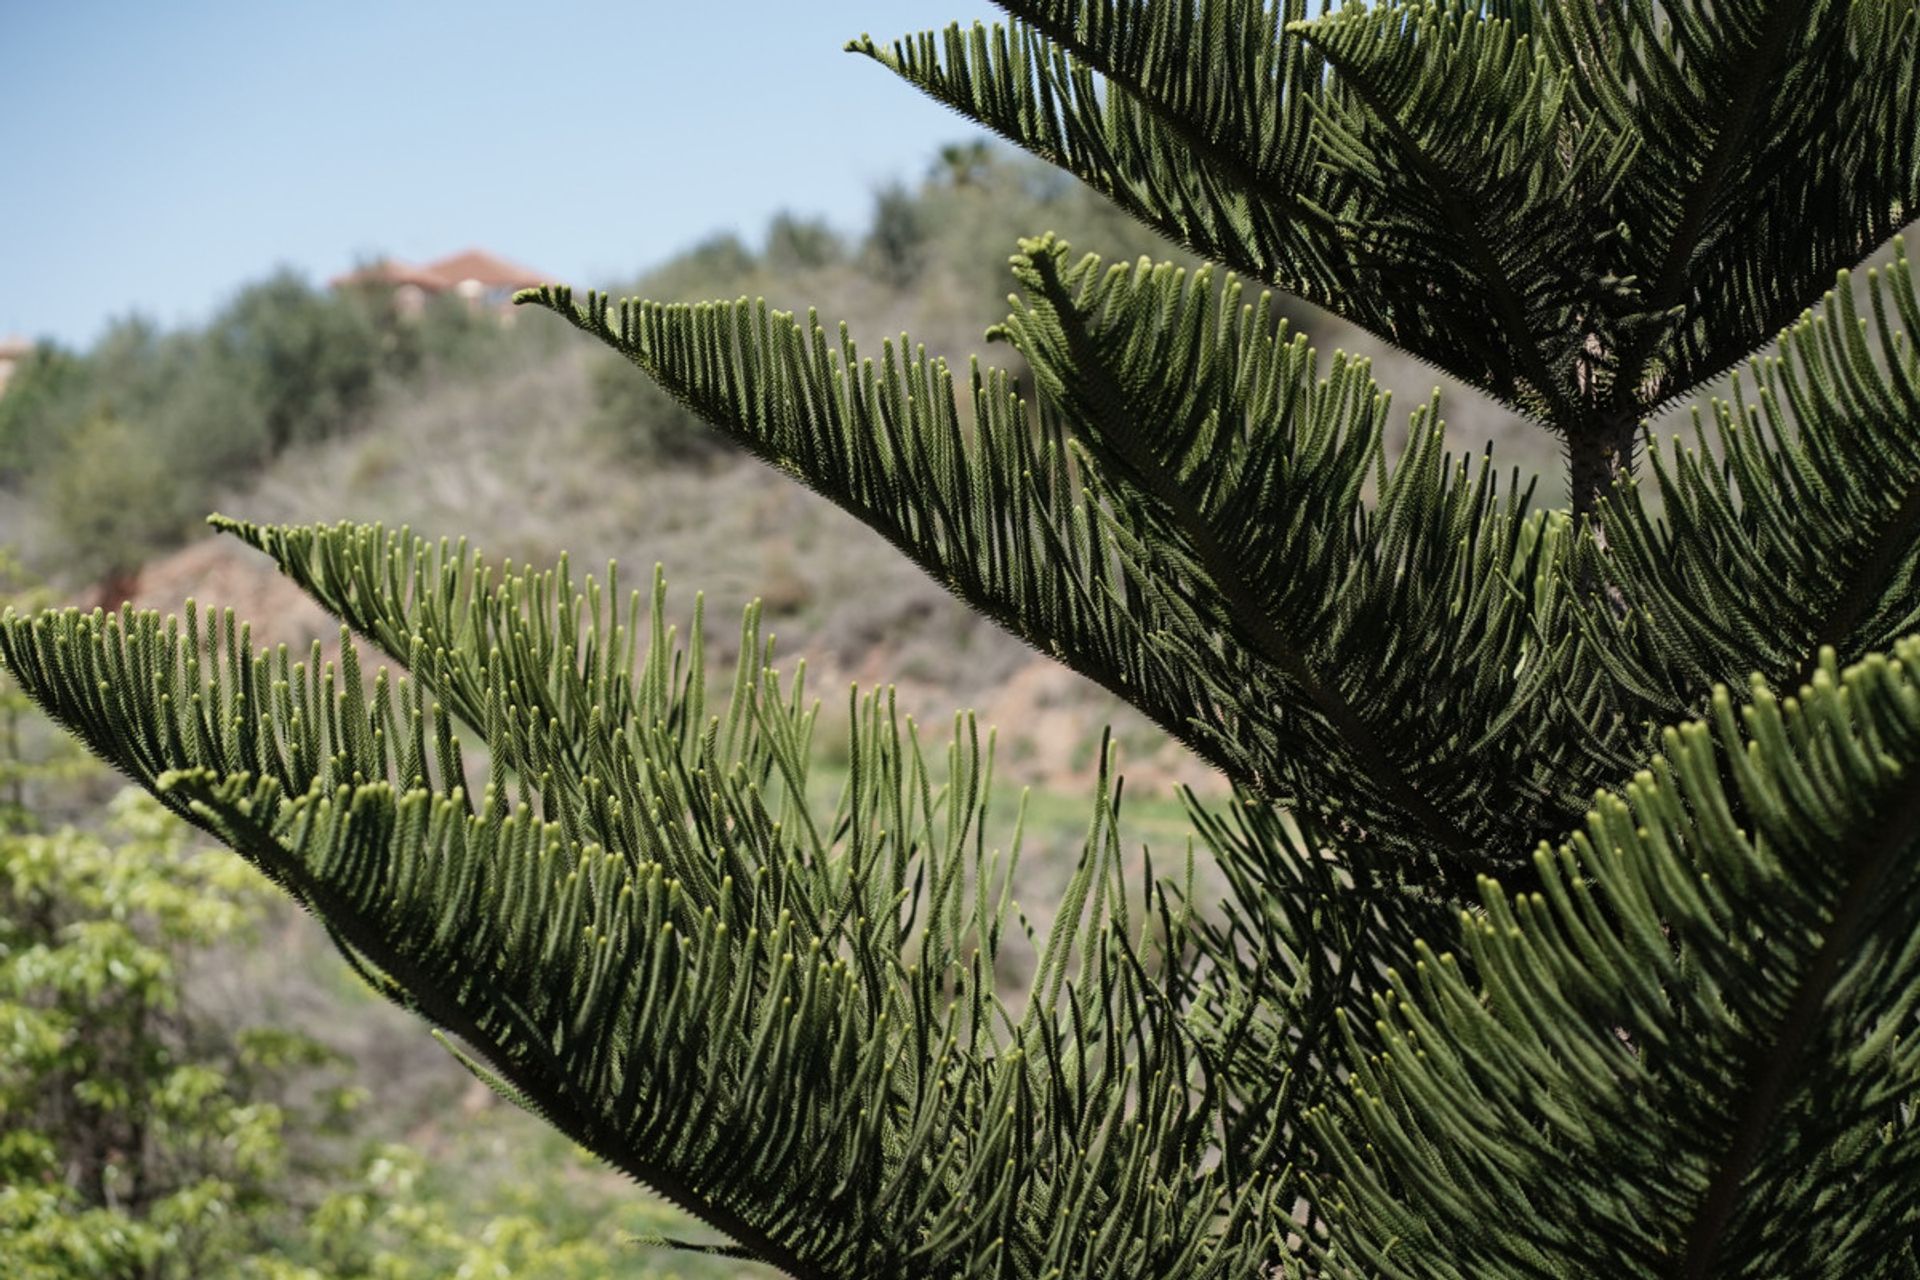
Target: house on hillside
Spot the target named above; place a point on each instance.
(485, 280)
(12, 352)
(405, 288)
(480, 277)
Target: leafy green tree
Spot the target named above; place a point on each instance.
(795, 243)
(718, 258)
(135, 364)
(138, 1140)
(963, 164)
(112, 499)
(55, 395)
(130, 1149)
(122, 447)
(41, 391)
(310, 360)
(647, 422)
(1651, 777)
(896, 243)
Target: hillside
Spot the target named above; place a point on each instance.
(530, 440)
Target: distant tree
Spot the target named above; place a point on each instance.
(133, 364)
(211, 427)
(963, 164)
(309, 360)
(112, 496)
(133, 367)
(796, 243)
(136, 373)
(450, 337)
(896, 243)
(46, 389)
(645, 422)
(724, 256)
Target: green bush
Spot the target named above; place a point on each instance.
(47, 391)
(795, 243)
(309, 362)
(896, 243)
(645, 422)
(112, 497)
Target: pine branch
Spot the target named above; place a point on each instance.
(1148, 52)
(230, 809)
(1574, 276)
(1281, 559)
(1732, 939)
(1752, 77)
(1414, 67)
(997, 514)
(1205, 140)
(1778, 147)
(1123, 433)
(1776, 1070)
(1137, 45)
(1792, 527)
(1082, 560)
(787, 1022)
(1299, 944)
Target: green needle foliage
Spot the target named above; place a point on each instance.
(1691, 1053)
(1676, 1043)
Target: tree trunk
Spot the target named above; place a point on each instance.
(1596, 461)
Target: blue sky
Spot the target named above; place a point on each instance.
(158, 156)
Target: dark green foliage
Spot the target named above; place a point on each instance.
(897, 242)
(43, 389)
(645, 420)
(308, 361)
(1582, 210)
(1692, 1053)
(816, 988)
(795, 243)
(1253, 668)
(1678, 1047)
(1793, 525)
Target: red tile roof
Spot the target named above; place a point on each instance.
(477, 265)
(485, 269)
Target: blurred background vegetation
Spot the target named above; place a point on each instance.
(191, 1085)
